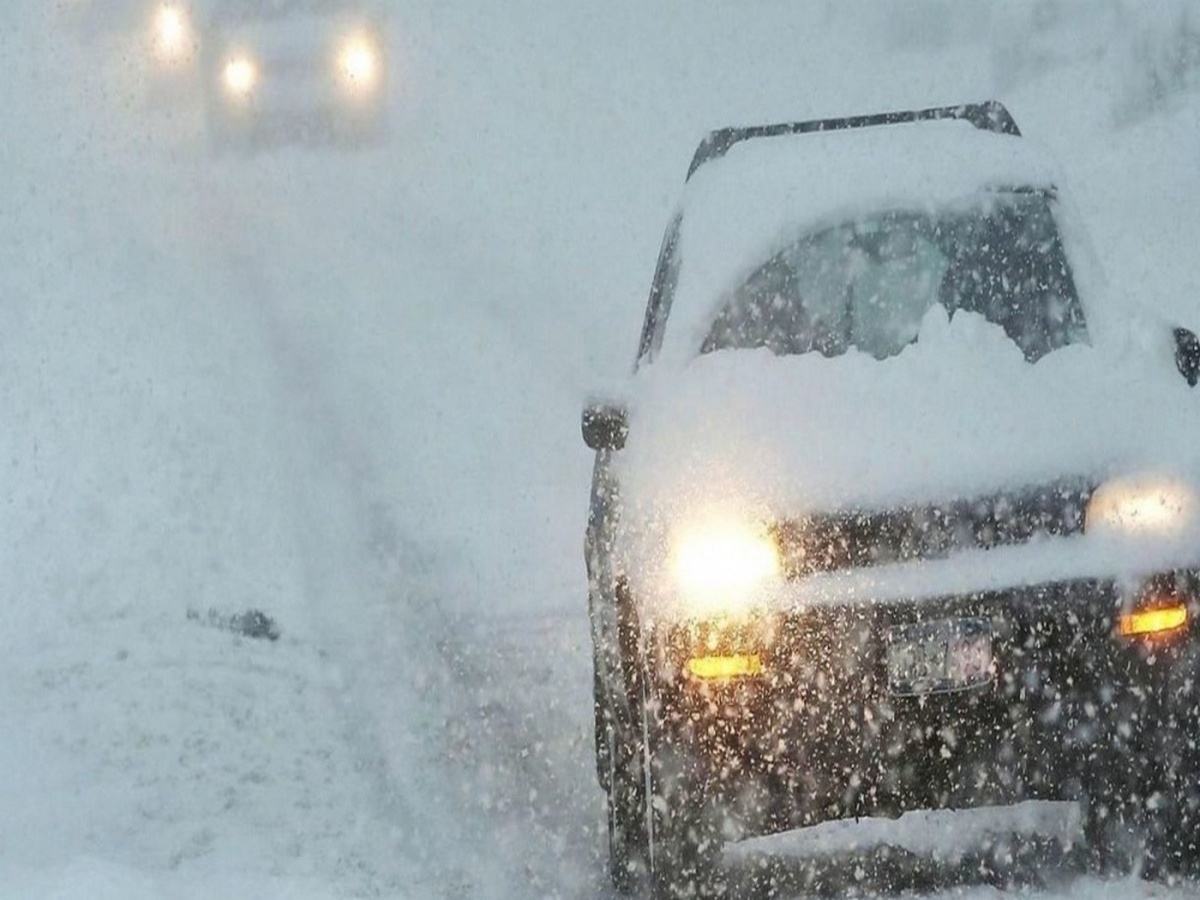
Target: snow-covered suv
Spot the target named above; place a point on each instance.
(898, 510)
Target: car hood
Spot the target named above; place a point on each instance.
(958, 414)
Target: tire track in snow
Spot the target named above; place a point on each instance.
(503, 705)
(351, 567)
(526, 742)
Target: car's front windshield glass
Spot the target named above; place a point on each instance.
(867, 284)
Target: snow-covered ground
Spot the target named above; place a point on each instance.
(343, 388)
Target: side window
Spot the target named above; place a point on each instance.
(662, 289)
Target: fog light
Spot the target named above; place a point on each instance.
(738, 665)
(1156, 620)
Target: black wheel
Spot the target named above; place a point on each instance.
(1114, 833)
(683, 839)
(1173, 819)
(1122, 788)
(1142, 809)
(1174, 814)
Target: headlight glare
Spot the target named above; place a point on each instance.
(172, 33)
(721, 564)
(1142, 506)
(240, 76)
(358, 63)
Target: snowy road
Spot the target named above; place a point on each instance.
(344, 389)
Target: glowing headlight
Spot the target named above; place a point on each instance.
(721, 564)
(1144, 506)
(358, 63)
(172, 33)
(240, 76)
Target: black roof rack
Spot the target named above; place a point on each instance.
(988, 116)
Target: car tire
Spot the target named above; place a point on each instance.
(1112, 833)
(1143, 811)
(683, 842)
(1173, 824)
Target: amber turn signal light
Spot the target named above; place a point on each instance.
(1154, 621)
(734, 666)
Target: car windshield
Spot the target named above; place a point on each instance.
(866, 284)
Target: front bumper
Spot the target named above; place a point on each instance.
(318, 122)
(295, 100)
(820, 735)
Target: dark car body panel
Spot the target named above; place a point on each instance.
(821, 736)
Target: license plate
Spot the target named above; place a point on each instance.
(939, 656)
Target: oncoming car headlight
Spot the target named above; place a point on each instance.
(1145, 506)
(717, 567)
(358, 63)
(239, 76)
(172, 33)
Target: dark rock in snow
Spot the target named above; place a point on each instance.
(252, 624)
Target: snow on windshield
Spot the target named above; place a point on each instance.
(867, 284)
(742, 209)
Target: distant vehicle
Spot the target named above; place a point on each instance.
(171, 42)
(896, 512)
(293, 72)
(149, 50)
(173, 38)
(275, 71)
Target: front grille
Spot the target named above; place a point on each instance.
(832, 740)
(860, 539)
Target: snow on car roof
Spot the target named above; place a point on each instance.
(739, 209)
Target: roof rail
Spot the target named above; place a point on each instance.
(988, 116)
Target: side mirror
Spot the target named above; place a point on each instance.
(1187, 354)
(605, 426)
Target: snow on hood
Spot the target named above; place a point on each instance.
(739, 209)
(959, 414)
